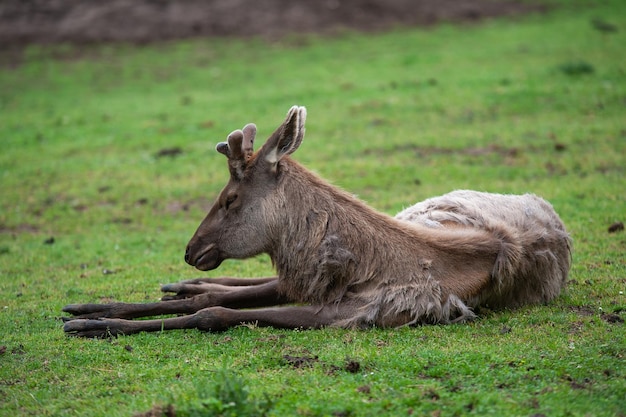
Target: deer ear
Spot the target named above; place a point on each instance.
(287, 138)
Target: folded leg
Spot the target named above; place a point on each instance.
(252, 296)
(192, 287)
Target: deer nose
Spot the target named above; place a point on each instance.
(187, 256)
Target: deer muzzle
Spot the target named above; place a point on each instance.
(205, 259)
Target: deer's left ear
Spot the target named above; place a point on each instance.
(287, 138)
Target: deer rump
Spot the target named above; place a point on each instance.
(341, 263)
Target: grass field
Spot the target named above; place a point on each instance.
(108, 165)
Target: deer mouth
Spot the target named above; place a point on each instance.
(209, 259)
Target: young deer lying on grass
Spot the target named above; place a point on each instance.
(339, 262)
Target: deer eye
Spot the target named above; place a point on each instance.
(230, 199)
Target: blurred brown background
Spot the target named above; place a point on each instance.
(139, 21)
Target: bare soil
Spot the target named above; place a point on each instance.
(24, 22)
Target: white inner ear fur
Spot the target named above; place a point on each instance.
(272, 157)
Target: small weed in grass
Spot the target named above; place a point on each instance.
(574, 68)
(228, 397)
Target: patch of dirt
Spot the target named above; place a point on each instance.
(170, 152)
(364, 389)
(616, 227)
(584, 311)
(611, 318)
(582, 384)
(300, 361)
(352, 366)
(140, 21)
(508, 155)
(159, 411)
(20, 228)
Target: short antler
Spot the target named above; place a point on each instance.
(238, 149)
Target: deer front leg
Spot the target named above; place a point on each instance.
(211, 319)
(230, 281)
(192, 287)
(260, 295)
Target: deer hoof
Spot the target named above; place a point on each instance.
(189, 289)
(171, 287)
(89, 311)
(91, 328)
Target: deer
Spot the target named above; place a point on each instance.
(339, 262)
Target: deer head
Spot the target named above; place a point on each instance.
(244, 217)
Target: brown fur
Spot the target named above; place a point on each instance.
(433, 263)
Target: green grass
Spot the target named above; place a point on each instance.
(534, 104)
